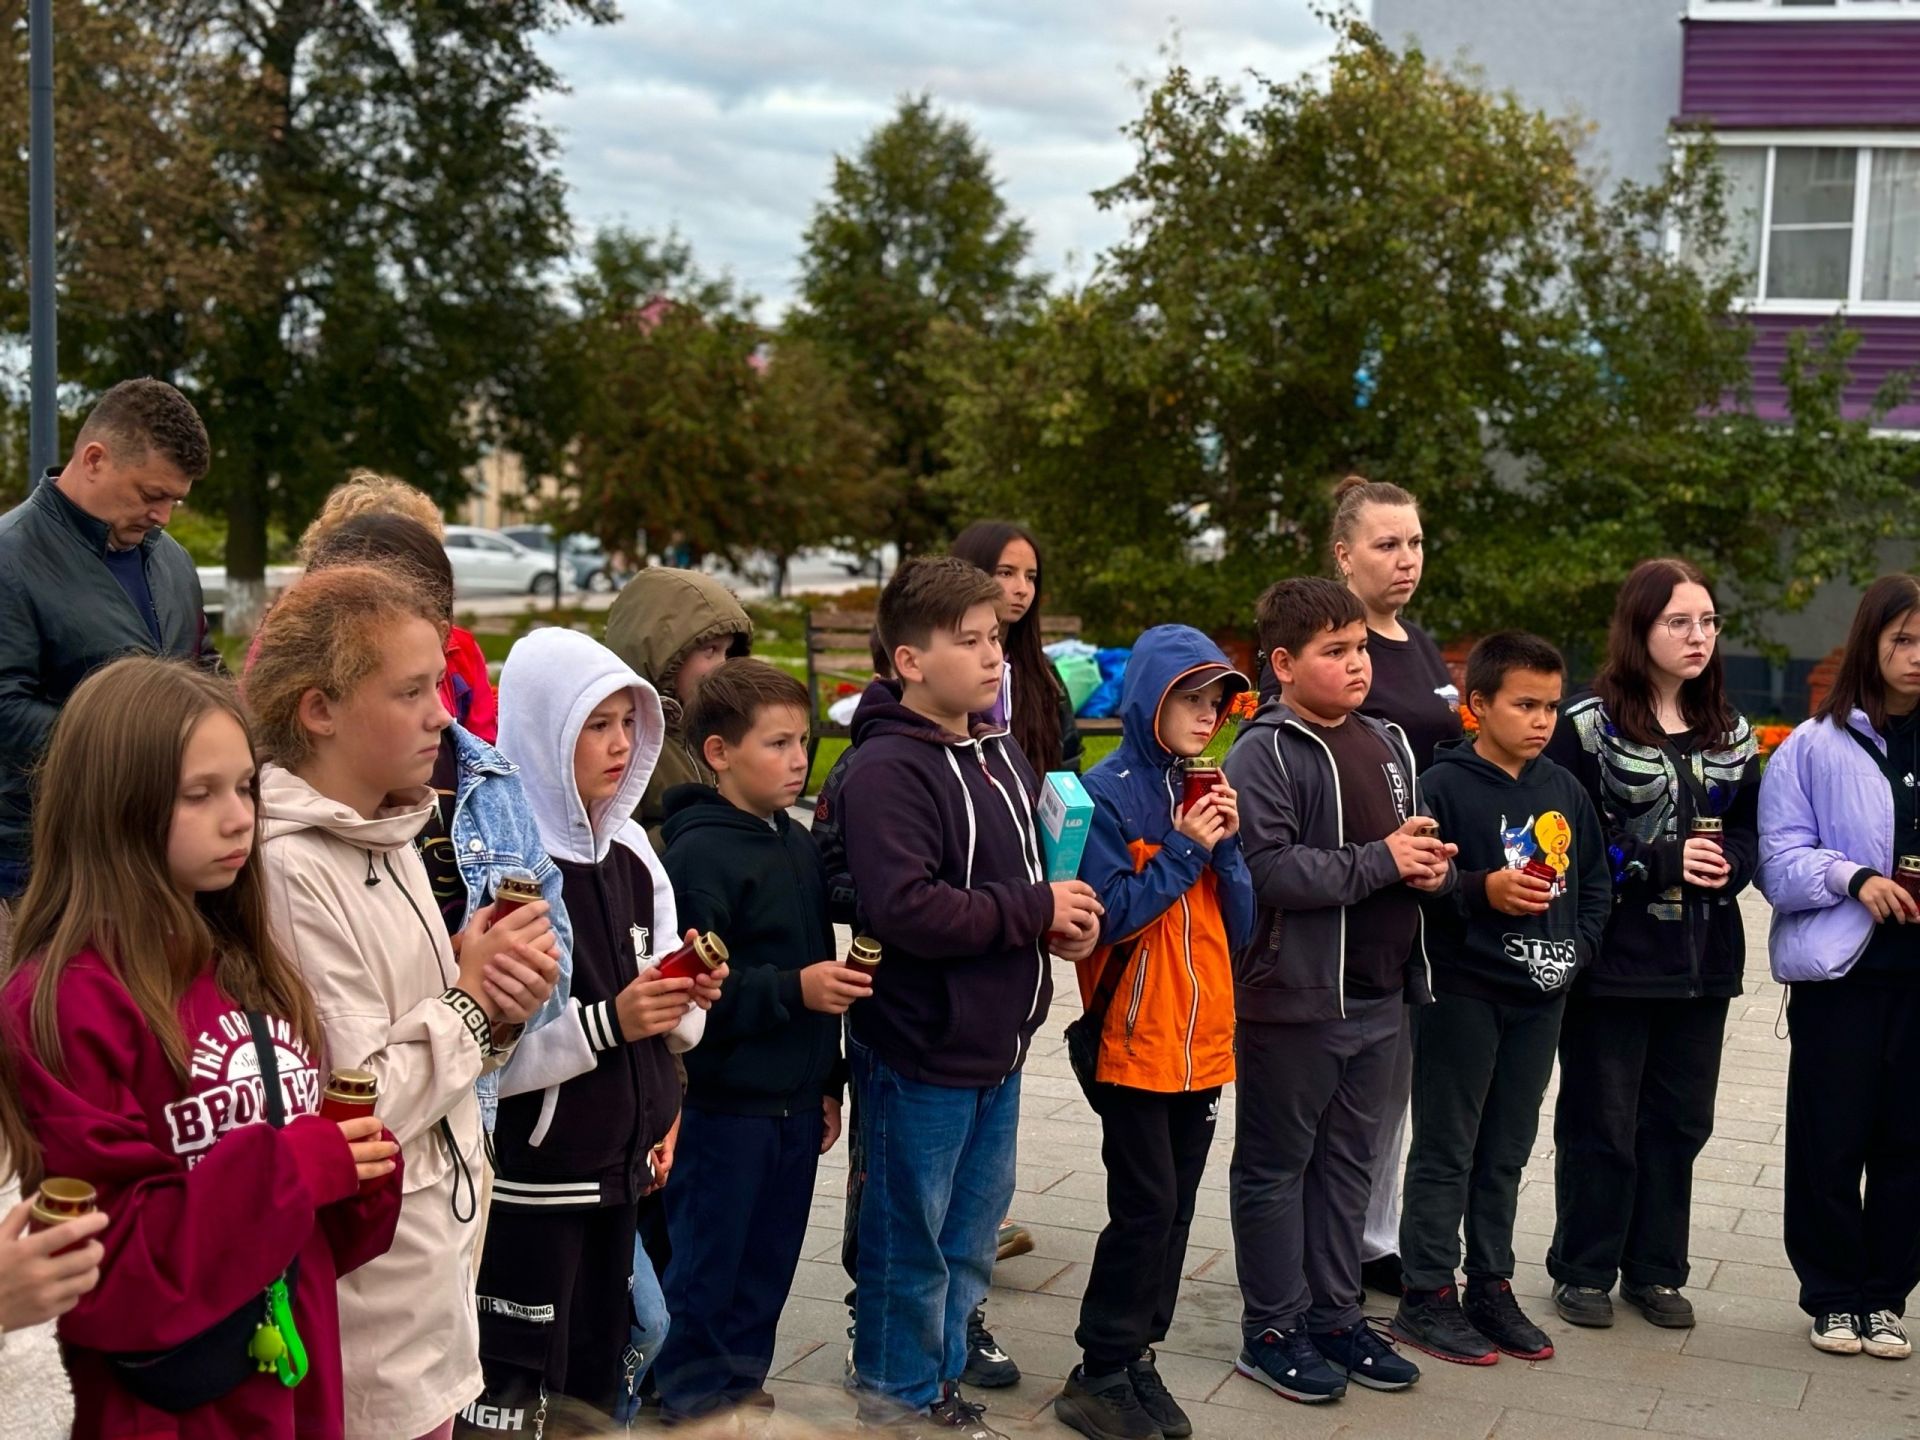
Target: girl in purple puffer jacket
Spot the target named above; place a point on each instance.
(1838, 808)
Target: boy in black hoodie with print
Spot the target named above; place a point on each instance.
(937, 811)
(1534, 895)
(763, 1090)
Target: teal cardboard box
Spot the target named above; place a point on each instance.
(1066, 815)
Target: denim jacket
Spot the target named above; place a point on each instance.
(1826, 813)
(493, 831)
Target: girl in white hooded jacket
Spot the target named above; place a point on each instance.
(345, 690)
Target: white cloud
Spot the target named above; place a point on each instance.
(722, 118)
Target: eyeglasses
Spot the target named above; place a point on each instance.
(1680, 627)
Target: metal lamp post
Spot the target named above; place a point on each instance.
(43, 432)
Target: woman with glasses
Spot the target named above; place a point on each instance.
(1673, 770)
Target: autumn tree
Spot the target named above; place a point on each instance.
(331, 221)
(689, 421)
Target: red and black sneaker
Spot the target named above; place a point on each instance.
(1491, 1309)
(1432, 1321)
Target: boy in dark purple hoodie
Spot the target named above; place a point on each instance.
(937, 811)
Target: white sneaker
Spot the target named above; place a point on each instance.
(1837, 1333)
(1886, 1337)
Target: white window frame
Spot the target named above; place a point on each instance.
(1863, 143)
(1774, 10)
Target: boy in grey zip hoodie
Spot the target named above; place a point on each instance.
(1328, 824)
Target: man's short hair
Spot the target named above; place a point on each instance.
(147, 417)
(929, 593)
(1504, 652)
(729, 701)
(1289, 613)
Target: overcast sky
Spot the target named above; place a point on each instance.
(722, 117)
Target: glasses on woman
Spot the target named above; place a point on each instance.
(1681, 627)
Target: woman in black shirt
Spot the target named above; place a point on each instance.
(1380, 553)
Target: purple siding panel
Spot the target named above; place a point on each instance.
(1762, 74)
(1888, 343)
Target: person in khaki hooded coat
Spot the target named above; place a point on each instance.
(674, 627)
(344, 692)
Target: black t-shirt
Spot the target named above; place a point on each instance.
(1376, 797)
(435, 842)
(1413, 689)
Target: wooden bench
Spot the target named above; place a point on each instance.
(838, 650)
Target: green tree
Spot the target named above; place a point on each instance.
(913, 234)
(1387, 269)
(374, 215)
(690, 422)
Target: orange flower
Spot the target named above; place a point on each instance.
(1469, 722)
(1770, 737)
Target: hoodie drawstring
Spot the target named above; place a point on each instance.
(461, 1174)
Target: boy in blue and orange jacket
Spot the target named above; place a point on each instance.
(1179, 901)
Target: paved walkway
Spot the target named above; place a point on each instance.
(1746, 1372)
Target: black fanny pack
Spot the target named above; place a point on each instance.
(1083, 1032)
(215, 1362)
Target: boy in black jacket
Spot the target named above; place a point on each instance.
(763, 1090)
(1534, 895)
(938, 816)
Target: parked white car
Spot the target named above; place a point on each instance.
(485, 562)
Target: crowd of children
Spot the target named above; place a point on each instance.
(587, 967)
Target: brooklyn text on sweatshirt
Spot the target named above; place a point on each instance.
(762, 888)
(1503, 822)
(581, 1106)
(209, 1203)
(947, 867)
(1180, 909)
(1666, 939)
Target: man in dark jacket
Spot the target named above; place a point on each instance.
(87, 574)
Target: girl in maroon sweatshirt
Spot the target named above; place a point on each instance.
(140, 948)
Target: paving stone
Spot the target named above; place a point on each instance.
(1534, 1425)
(1771, 1281)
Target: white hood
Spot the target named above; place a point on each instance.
(551, 683)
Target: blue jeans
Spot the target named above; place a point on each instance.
(939, 1180)
(737, 1211)
(646, 1334)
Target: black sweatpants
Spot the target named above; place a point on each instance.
(1155, 1150)
(1851, 1111)
(554, 1310)
(1306, 1119)
(737, 1210)
(1479, 1070)
(1637, 1085)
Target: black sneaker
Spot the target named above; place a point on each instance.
(1383, 1275)
(949, 1417)
(1586, 1305)
(1432, 1320)
(1491, 1309)
(1362, 1356)
(1661, 1304)
(1104, 1409)
(988, 1367)
(954, 1412)
(1156, 1399)
(1288, 1364)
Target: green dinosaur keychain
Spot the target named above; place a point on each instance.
(276, 1344)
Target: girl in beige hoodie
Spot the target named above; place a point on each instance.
(345, 690)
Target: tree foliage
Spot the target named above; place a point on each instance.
(692, 423)
(914, 234)
(331, 221)
(1387, 269)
